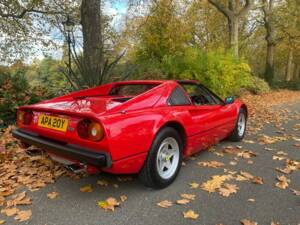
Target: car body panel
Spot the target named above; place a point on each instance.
(131, 126)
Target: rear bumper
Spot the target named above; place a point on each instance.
(84, 155)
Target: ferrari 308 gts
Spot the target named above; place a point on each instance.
(145, 127)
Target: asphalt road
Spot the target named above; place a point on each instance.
(73, 207)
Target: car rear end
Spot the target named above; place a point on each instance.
(73, 138)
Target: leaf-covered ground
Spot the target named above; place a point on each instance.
(256, 181)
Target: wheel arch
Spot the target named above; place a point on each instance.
(179, 128)
(243, 106)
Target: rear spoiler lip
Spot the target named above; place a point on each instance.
(92, 116)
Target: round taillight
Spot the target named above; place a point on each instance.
(83, 128)
(24, 117)
(91, 130)
(95, 131)
(28, 117)
(20, 116)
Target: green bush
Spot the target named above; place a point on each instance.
(15, 91)
(258, 86)
(221, 72)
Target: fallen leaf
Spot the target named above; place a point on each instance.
(247, 175)
(103, 182)
(188, 196)
(109, 204)
(190, 214)
(182, 201)
(285, 170)
(2, 221)
(23, 215)
(257, 180)
(87, 188)
(52, 195)
(276, 157)
(228, 189)
(10, 211)
(165, 204)
(215, 182)
(211, 164)
(248, 222)
(297, 193)
(283, 182)
(19, 199)
(233, 163)
(194, 185)
(123, 198)
(251, 200)
(275, 223)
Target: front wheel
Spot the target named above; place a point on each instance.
(240, 127)
(164, 159)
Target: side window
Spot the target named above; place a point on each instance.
(178, 97)
(199, 95)
(216, 98)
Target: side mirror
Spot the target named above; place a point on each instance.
(229, 100)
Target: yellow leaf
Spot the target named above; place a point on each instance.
(23, 215)
(228, 189)
(109, 204)
(188, 196)
(211, 164)
(165, 204)
(103, 182)
(248, 222)
(123, 198)
(52, 195)
(190, 214)
(297, 193)
(182, 201)
(283, 182)
(10, 211)
(87, 188)
(194, 185)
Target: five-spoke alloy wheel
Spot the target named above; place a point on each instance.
(164, 159)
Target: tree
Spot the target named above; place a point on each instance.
(92, 38)
(234, 12)
(27, 25)
(267, 9)
(162, 32)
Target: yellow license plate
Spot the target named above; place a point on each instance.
(53, 122)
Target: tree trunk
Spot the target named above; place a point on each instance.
(290, 65)
(297, 72)
(92, 40)
(269, 70)
(233, 15)
(234, 35)
(268, 23)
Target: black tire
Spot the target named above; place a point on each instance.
(149, 175)
(235, 136)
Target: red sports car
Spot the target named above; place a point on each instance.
(144, 127)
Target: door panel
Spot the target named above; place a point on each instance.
(210, 124)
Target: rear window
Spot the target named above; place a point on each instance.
(131, 89)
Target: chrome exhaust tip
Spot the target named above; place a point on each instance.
(76, 168)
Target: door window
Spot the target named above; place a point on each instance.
(200, 95)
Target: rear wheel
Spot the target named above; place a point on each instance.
(164, 159)
(240, 127)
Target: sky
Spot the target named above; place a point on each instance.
(117, 9)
